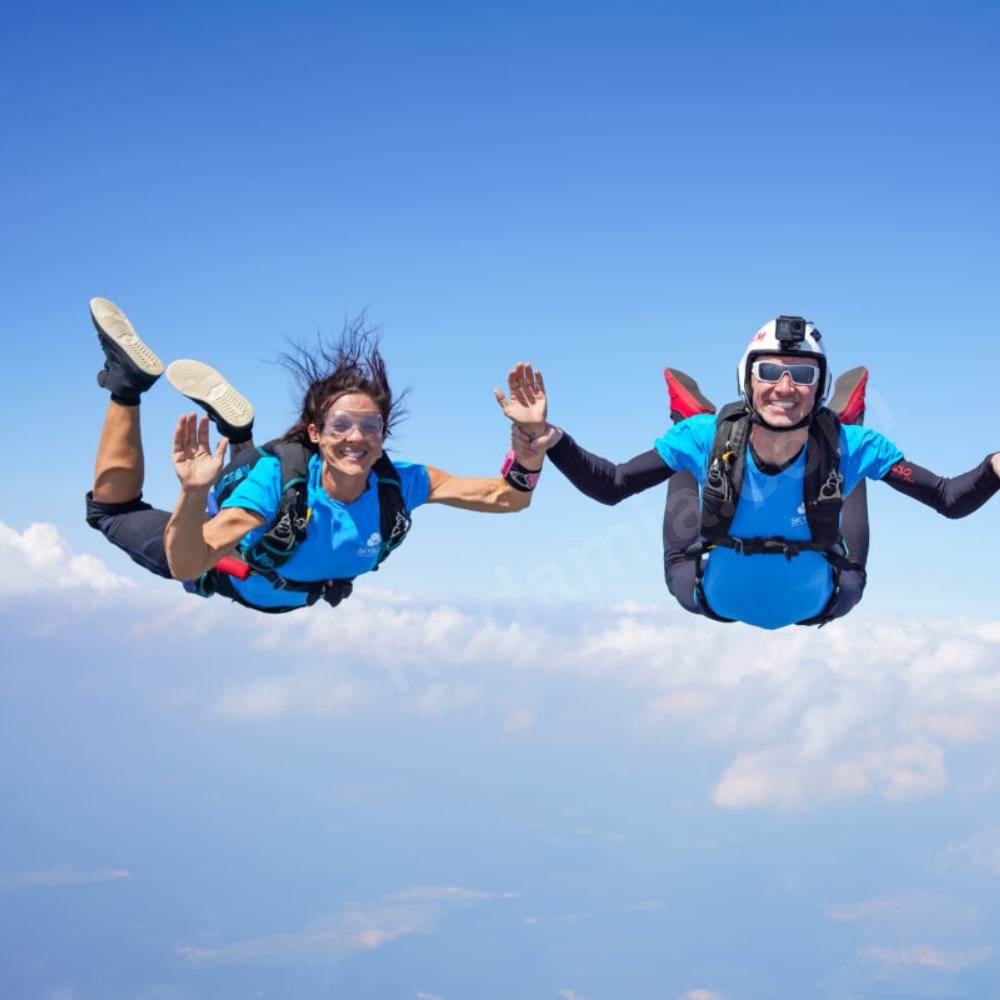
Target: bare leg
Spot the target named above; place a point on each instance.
(119, 469)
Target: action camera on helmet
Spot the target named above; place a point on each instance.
(790, 331)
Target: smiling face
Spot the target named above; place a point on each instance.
(783, 403)
(352, 452)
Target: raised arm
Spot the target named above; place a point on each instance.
(194, 545)
(953, 497)
(596, 477)
(511, 491)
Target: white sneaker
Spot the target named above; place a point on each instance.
(204, 385)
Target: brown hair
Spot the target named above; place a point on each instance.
(323, 373)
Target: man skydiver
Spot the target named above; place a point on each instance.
(682, 513)
(774, 470)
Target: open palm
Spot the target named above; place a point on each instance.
(196, 465)
(527, 405)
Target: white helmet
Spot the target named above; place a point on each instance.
(790, 335)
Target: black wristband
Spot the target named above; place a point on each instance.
(522, 479)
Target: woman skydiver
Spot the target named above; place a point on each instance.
(296, 520)
(774, 471)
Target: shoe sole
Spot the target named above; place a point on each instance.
(110, 321)
(206, 387)
(684, 390)
(848, 400)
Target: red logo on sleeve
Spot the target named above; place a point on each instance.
(903, 471)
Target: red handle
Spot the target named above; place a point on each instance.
(233, 567)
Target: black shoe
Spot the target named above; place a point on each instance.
(130, 367)
(231, 412)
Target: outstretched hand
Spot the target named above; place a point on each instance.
(197, 467)
(528, 404)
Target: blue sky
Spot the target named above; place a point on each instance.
(566, 770)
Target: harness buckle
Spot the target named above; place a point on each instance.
(832, 489)
(715, 476)
(738, 545)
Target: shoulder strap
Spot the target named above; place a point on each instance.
(824, 482)
(394, 518)
(294, 459)
(288, 529)
(239, 467)
(726, 464)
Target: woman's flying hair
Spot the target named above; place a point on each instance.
(330, 370)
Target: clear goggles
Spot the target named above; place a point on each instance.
(339, 423)
(772, 371)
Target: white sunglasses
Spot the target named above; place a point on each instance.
(772, 371)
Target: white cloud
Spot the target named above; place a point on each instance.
(872, 909)
(305, 693)
(519, 720)
(982, 850)
(448, 893)
(355, 928)
(789, 776)
(913, 915)
(865, 707)
(928, 958)
(701, 995)
(40, 558)
(58, 877)
(429, 996)
(566, 994)
(601, 836)
(645, 906)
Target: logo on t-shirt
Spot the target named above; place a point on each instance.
(371, 547)
(800, 517)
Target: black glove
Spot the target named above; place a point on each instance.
(337, 591)
(850, 588)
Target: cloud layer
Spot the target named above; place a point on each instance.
(356, 928)
(59, 877)
(865, 707)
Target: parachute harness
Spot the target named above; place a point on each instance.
(269, 553)
(823, 490)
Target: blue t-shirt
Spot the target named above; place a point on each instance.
(343, 538)
(768, 590)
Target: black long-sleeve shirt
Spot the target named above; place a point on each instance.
(604, 481)
(608, 483)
